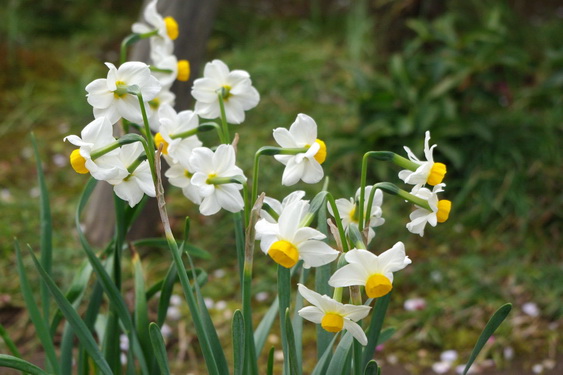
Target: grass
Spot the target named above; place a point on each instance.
(464, 269)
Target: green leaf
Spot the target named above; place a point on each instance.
(46, 243)
(292, 352)
(322, 363)
(165, 292)
(159, 348)
(339, 359)
(162, 243)
(20, 364)
(39, 323)
(141, 311)
(386, 335)
(495, 321)
(263, 329)
(74, 320)
(270, 370)
(115, 297)
(375, 326)
(238, 342)
(371, 368)
(9, 343)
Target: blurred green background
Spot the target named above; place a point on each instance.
(485, 78)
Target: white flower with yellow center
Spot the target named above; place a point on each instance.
(167, 69)
(166, 29)
(180, 175)
(139, 179)
(347, 209)
(306, 165)
(278, 206)
(97, 152)
(177, 133)
(421, 216)
(373, 272)
(288, 240)
(428, 171)
(110, 96)
(332, 315)
(213, 172)
(235, 87)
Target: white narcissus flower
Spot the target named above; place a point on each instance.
(332, 315)
(180, 175)
(428, 171)
(236, 87)
(165, 96)
(173, 127)
(305, 166)
(288, 240)
(95, 137)
(139, 181)
(167, 29)
(209, 168)
(370, 270)
(421, 216)
(109, 97)
(278, 206)
(348, 211)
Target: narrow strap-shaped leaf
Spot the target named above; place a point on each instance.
(261, 332)
(238, 335)
(75, 292)
(284, 295)
(339, 359)
(386, 335)
(74, 320)
(293, 365)
(270, 369)
(141, 310)
(162, 243)
(375, 326)
(210, 329)
(297, 321)
(38, 322)
(19, 364)
(159, 349)
(67, 345)
(492, 325)
(107, 283)
(322, 363)
(9, 342)
(166, 293)
(89, 319)
(46, 235)
(371, 368)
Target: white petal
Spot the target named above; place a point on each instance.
(356, 331)
(284, 138)
(209, 206)
(316, 253)
(229, 197)
(313, 172)
(393, 259)
(356, 312)
(350, 274)
(312, 314)
(293, 172)
(304, 130)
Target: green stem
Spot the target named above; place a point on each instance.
(414, 199)
(159, 70)
(226, 138)
(104, 150)
(284, 296)
(338, 220)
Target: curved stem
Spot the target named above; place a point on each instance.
(226, 136)
(338, 220)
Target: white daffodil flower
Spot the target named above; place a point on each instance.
(236, 87)
(173, 127)
(287, 241)
(109, 97)
(209, 169)
(428, 171)
(278, 206)
(370, 270)
(421, 216)
(180, 175)
(96, 137)
(349, 213)
(139, 181)
(305, 166)
(167, 29)
(165, 96)
(333, 316)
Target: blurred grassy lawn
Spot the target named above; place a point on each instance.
(464, 269)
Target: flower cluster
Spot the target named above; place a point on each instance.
(137, 96)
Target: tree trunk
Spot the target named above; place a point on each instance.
(195, 20)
